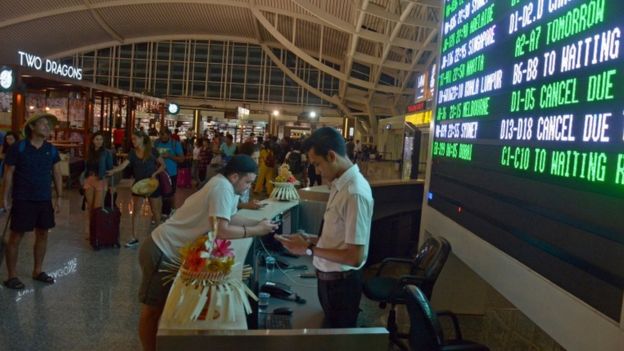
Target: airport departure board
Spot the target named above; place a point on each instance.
(528, 149)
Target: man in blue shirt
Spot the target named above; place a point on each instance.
(171, 151)
(31, 165)
(228, 148)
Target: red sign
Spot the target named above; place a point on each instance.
(417, 107)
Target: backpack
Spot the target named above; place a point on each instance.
(294, 162)
(269, 161)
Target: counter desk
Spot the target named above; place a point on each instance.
(306, 321)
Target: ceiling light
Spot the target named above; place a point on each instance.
(31, 107)
(312, 114)
(275, 113)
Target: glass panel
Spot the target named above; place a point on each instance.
(214, 90)
(177, 70)
(175, 87)
(236, 92)
(216, 53)
(253, 75)
(199, 72)
(140, 51)
(179, 51)
(139, 69)
(275, 93)
(160, 88)
(255, 55)
(201, 52)
(198, 89)
(138, 85)
(238, 74)
(253, 92)
(125, 51)
(124, 83)
(214, 73)
(240, 54)
(163, 51)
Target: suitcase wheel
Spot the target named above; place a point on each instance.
(116, 245)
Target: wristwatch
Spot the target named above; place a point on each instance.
(309, 251)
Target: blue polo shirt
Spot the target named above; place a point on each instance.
(32, 178)
(173, 147)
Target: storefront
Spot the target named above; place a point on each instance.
(43, 85)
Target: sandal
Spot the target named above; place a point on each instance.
(44, 277)
(14, 283)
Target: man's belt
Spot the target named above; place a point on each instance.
(334, 275)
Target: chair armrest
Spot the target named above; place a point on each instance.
(392, 260)
(453, 317)
(411, 280)
(465, 347)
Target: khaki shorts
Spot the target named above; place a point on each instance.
(152, 291)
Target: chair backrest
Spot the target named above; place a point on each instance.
(425, 255)
(431, 271)
(425, 330)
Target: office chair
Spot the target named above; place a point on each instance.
(425, 268)
(425, 330)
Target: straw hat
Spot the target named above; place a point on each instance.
(34, 118)
(145, 187)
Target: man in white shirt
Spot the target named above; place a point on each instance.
(217, 199)
(342, 248)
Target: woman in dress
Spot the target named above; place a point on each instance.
(145, 163)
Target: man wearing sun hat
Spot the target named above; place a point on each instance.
(31, 165)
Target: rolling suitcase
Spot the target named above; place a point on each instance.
(184, 178)
(104, 225)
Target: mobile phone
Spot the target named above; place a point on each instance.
(307, 275)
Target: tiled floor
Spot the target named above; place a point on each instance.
(93, 304)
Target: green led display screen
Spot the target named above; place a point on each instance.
(528, 148)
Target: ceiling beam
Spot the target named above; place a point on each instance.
(332, 99)
(313, 61)
(353, 46)
(105, 26)
(386, 49)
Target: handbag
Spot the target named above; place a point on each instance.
(164, 181)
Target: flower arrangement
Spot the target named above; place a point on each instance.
(285, 176)
(285, 185)
(204, 255)
(212, 281)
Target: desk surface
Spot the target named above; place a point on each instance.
(308, 315)
(272, 209)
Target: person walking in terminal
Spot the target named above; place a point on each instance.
(171, 151)
(145, 163)
(342, 248)
(217, 199)
(9, 139)
(99, 161)
(32, 164)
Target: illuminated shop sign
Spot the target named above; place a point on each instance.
(49, 66)
(7, 78)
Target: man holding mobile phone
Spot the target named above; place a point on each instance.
(342, 248)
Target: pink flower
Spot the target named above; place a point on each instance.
(222, 248)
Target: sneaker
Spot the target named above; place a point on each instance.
(132, 243)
